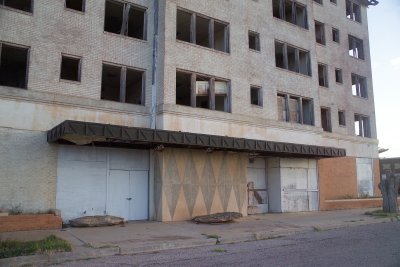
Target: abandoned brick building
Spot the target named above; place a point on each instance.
(164, 110)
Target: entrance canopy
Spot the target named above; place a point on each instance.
(86, 133)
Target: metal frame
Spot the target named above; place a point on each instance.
(114, 135)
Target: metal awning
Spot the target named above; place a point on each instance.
(85, 133)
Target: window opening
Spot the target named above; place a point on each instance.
(125, 19)
(353, 11)
(290, 11)
(183, 91)
(338, 76)
(295, 109)
(362, 125)
(342, 118)
(122, 84)
(78, 5)
(326, 119)
(183, 24)
(13, 66)
(254, 41)
(24, 5)
(356, 47)
(70, 68)
(359, 86)
(323, 75)
(319, 33)
(255, 96)
(292, 58)
(221, 95)
(335, 35)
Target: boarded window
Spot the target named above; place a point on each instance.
(342, 118)
(323, 75)
(295, 109)
(70, 68)
(255, 96)
(319, 33)
(282, 108)
(326, 119)
(290, 11)
(78, 5)
(359, 86)
(24, 5)
(294, 114)
(362, 125)
(254, 41)
(356, 47)
(122, 84)
(125, 19)
(13, 66)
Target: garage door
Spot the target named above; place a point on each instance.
(98, 181)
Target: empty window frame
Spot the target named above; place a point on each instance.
(359, 86)
(125, 19)
(295, 109)
(319, 32)
(333, 2)
(24, 5)
(356, 47)
(292, 58)
(326, 119)
(318, 1)
(254, 41)
(70, 68)
(122, 84)
(335, 35)
(338, 76)
(202, 91)
(362, 125)
(256, 96)
(203, 31)
(13, 66)
(290, 11)
(78, 5)
(323, 75)
(353, 11)
(342, 118)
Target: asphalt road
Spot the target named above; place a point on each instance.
(370, 245)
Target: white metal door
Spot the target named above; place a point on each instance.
(118, 194)
(364, 177)
(139, 186)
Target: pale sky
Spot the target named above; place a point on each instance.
(384, 36)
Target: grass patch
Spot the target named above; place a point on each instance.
(381, 213)
(219, 250)
(211, 236)
(11, 248)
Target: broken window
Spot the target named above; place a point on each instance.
(125, 19)
(326, 119)
(295, 109)
(70, 68)
(203, 31)
(183, 91)
(292, 58)
(362, 125)
(13, 66)
(359, 86)
(24, 5)
(122, 84)
(353, 11)
(254, 41)
(78, 5)
(335, 35)
(319, 32)
(202, 91)
(342, 118)
(290, 11)
(255, 96)
(356, 47)
(323, 75)
(338, 76)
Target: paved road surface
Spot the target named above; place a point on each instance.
(370, 245)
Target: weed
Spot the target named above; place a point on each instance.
(11, 248)
(219, 250)
(317, 228)
(381, 213)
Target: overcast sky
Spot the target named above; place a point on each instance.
(384, 35)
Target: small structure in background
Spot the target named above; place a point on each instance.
(390, 183)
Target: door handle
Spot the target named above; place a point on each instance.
(128, 198)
